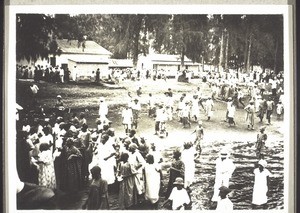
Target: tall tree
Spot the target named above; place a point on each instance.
(33, 35)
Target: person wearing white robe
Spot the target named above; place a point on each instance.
(260, 187)
(188, 158)
(106, 159)
(127, 116)
(224, 169)
(103, 108)
(152, 179)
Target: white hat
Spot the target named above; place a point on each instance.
(58, 96)
(263, 163)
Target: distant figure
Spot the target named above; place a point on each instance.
(261, 186)
(139, 91)
(250, 109)
(98, 76)
(199, 137)
(260, 143)
(62, 74)
(209, 108)
(103, 108)
(59, 106)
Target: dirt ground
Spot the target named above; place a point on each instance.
(217, 134)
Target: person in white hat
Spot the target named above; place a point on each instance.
(224, 169)
(179, 195)
(261, 186)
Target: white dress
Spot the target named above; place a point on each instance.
(187, 157)
(224, 170)
(107, 166)
(260, 188)
(152, 182)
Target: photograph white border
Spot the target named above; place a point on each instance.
(10, 75)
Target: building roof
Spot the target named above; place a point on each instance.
(88, 59)
(91, 47)
(120, 63)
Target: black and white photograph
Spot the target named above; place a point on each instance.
(149, 108)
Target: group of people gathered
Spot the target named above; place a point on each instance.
(62, 152)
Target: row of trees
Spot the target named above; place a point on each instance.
(226, 41)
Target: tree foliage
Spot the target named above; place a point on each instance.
(215, 39)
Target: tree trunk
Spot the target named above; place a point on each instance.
(245, 51)
(226, 51)
(221, 58)
(275, 57)
(249, 54)
(135, 50)
(182, 58)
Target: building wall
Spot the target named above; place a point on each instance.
(84, 71)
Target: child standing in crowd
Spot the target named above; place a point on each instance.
(279, 110)
(224, 204)
(179, 196)
(199, 137)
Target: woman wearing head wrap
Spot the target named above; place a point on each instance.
(261, 185)
(98, 191)
(152, 180)
(107, 161)
(127, 194)
(71, 173)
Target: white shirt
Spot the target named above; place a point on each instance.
(224, 205)
(179, 197)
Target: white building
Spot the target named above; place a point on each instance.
(169, 63)
(80, 61)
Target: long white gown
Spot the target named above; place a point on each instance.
(152, 182)
(260, 188)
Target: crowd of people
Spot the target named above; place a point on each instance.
(62, 152)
